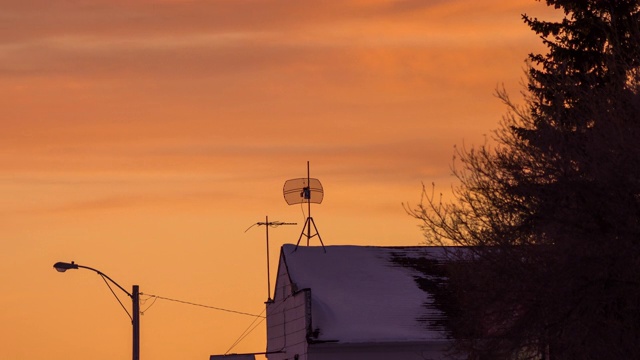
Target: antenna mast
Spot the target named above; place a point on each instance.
(267, 224)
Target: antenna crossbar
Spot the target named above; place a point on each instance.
(274, 223)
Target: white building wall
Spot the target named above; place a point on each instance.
(287, 320)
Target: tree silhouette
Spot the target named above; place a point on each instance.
(551, 211)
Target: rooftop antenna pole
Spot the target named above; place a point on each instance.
(266, 229)
(266, 223)
(307, 195)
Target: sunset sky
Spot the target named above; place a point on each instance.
(143, 137)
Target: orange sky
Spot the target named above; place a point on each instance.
(143, 137)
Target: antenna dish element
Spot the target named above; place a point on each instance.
(302, 190)
(305, 190)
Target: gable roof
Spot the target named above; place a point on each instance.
(363, 294)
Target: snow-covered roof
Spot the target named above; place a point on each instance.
(363, 294)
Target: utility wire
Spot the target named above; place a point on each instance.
(304, 215)
(204, 306)
(148, 307)
(248, 330)
(242, 336)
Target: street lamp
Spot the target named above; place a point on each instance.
(134, 295)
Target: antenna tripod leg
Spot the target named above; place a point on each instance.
(307, 226)
(302, 233)
(318, 233)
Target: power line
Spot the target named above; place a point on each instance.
(254, 325)
(247, 331)
(150, 305)
(204, 306)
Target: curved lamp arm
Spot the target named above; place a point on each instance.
(135, 297)
(63, 266)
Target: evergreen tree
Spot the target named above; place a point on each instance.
(551, 213)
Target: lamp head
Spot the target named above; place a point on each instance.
(63, 266)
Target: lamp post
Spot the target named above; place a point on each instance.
(134, 295)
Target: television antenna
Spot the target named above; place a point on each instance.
(268, 224)
(299, 191)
